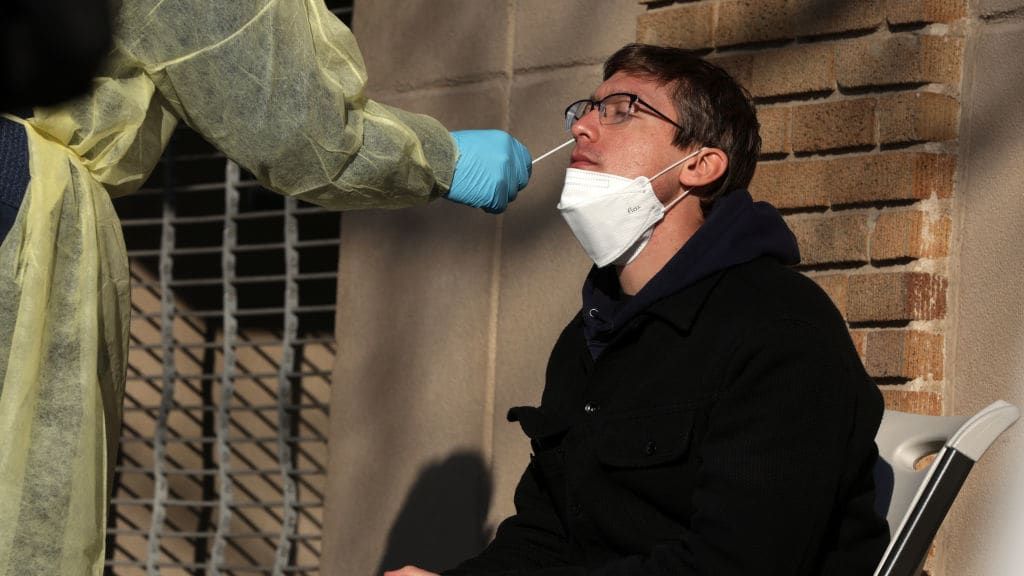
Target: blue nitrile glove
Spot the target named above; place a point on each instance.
(491, 170)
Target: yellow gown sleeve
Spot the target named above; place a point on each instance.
(277, 85)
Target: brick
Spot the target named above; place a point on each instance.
(851, 180)
(910, 234)
(896, 297)
(803, 69)
(789, 185)
(834, 125)
(687, 26)
(890, 177)
(831, 238)
(924, 11)
(908, 354)
(774, 122)
(915, 401)
(835, 285)
(750, 21)
(817, 17)
(917, 117)
(899, 59)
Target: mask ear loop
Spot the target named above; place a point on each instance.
(676, 163)
(673, 165)
(676, 201)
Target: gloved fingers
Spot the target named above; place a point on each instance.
(522, 167)
(491, 169)
(500, 197)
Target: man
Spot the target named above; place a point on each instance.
(278, 87)
(705, 412)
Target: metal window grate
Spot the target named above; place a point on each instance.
(222, 464)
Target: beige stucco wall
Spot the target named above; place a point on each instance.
(985, 530)
(446, 315)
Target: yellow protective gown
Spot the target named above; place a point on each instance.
(277, 85)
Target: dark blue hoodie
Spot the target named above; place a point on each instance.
(737, 230)
(14, 173)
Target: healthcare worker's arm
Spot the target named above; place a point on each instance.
(278, 87)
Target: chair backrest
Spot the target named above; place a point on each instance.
(916, 498)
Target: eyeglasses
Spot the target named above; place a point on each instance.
(612, 109)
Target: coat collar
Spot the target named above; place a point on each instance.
(737, 230)
(680, 309)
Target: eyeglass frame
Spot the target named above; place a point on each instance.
(600, 106)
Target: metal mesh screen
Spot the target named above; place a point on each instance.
(221, 468)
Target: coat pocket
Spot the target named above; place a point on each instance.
(645, 439)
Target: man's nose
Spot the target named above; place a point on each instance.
(588, 125)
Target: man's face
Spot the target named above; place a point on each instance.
(640, 146)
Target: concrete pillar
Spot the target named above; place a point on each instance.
(986, 526)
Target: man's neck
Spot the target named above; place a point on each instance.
(668, 237)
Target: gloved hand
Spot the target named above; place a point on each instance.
(491, 170)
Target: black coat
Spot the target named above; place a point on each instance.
(727, 429)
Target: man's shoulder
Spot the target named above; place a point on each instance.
(765, 289)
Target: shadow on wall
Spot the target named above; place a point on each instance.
(442, 521)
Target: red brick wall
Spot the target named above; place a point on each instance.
(859, 106)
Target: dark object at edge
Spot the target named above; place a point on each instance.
(50, 49)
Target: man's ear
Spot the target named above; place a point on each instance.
(704, 168)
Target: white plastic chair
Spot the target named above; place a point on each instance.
(920, 499)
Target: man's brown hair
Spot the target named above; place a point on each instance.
(713, 109)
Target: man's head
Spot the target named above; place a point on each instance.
(682, 101)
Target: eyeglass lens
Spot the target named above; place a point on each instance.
(611, 110)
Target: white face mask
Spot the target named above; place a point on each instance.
(611, 216)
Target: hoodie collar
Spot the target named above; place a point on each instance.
(738, 230)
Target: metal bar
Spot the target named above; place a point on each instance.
(231, 180)
(250, 376)
(213, 471)
(226, 567)
(195, 534)
(251, 408)
(204, 566)
(183, 503)
(204, 250)
(251, 279)
(167, 305)
(232, 439)
(279, 503)
(283, 553)
(249, 344)
(325, 308)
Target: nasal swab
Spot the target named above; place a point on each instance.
(553, 150)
